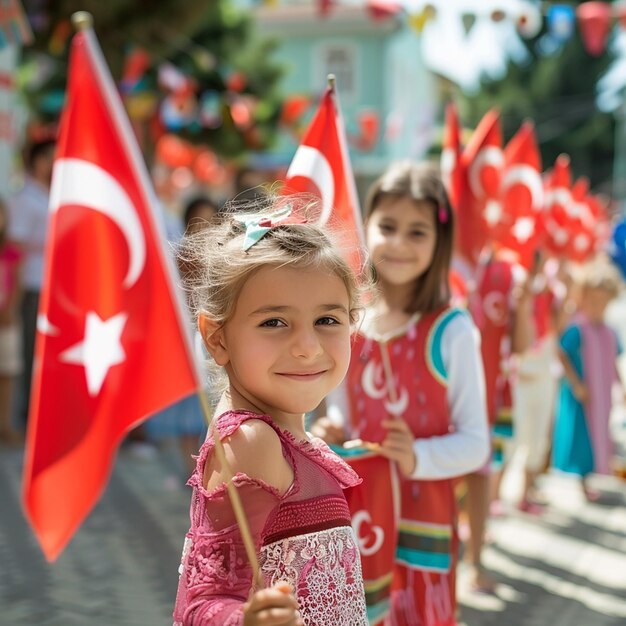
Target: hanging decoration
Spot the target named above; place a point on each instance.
(369, 129)
(136, 64)
(294, 107)
(382, 9)
(418, 20)
(594, 21)
(14, 26)
(529, 20)
(467, 41)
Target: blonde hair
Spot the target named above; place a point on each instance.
(215, 267)
(600, 274)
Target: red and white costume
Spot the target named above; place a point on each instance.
(439, 386)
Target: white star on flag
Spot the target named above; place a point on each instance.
(523, 229)
(99, 350)
(493, 212)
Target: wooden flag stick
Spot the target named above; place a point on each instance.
(391, 387)
(240, 514)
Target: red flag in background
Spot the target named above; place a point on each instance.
(111, 347)
(521, 196)
(451, 166)
(482, 162)
(555, 218)
(321, 165)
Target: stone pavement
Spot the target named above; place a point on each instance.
(567, 568)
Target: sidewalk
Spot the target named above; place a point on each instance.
(567, 568)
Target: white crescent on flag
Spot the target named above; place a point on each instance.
(528, 177)
(79, 182)
(489, 156)
(310, 163)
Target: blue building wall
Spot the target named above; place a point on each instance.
(388, 77)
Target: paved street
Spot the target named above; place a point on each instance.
(566, 569)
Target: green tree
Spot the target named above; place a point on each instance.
(211, 42)
(558, 93)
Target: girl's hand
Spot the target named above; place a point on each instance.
(398, 445)
(580, 391)
(276, 606)
(329, 432)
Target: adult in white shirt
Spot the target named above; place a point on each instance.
(28, 227)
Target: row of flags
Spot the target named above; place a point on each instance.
(112, 343)
(503, 199)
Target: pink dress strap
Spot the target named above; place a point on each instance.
(228, 422)
(314, 448)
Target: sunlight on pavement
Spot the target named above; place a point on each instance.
(594, 600)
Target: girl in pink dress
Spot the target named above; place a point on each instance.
(415, 389)
(275, 304)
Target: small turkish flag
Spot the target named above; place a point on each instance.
(555, 221)
(521, 195)
(482, 162)
(111, 345)
(451, 167)
(321, 165)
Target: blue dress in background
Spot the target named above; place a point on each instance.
(571, 449)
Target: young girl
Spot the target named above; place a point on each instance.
(415, 389)
(10, 353)
(588, 353)
(275, 304)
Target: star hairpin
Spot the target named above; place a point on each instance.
(258, 226)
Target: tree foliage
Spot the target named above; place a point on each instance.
(210, 42)
(558, 93)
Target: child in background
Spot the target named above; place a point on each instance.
(184, 420)
(10, 343)
(500, 308)
(534, 391)
(275, 304)
(433, 425)
(588, 352)
(200, 212)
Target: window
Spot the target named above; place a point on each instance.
(340, 60)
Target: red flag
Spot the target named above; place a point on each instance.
(451, 167)
(111, 347)
(490, 309)
(482, 161)
(521, 196)
(374, 510)
(555, 218)
(321, 165)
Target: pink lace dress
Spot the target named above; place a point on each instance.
(303, 537)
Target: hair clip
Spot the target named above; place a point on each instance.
(442, 214)
(258, 226)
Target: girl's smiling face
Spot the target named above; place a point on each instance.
(401, 237)
(287, 344)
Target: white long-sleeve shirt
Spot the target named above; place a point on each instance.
(466, 448)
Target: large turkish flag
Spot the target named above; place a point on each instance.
(111, 346)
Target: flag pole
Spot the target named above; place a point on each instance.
(83, 21)
(391, 387)
(349, 174)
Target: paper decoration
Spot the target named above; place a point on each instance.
(14, 27)
(594, 22)
(529, 21)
